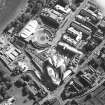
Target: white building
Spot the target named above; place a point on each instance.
(66, 46)
(78, 34)
(62, 9)
(9, 101)
(12, 53)
(51, 13)
(9, 53)
(69, 40)
(29, 29)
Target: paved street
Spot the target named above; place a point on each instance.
(68, 20)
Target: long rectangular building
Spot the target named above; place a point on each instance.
(29, 29)
(81, 27)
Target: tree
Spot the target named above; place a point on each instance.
(37, 7)
(3, 91)
(88, 97)
(77, 1)
(31, 1)
(35, 103)
(24, 18)
(6, 29)
(1, 73)
(1, 98)
(31, 96)
(8, 84)
(6, 96)
(25, 91)
(28, 10)
(6, 78)
(17, 70)
(103, 83)
(26, 77)
(34, 10)
(19, 83)
(73, 102)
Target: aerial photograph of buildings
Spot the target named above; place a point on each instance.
(52, 52)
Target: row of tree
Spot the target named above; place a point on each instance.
(33, 6)
(17, 24)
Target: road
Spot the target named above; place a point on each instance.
(66, 23)
(70, 19)
(61, 30)
(98, 48)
